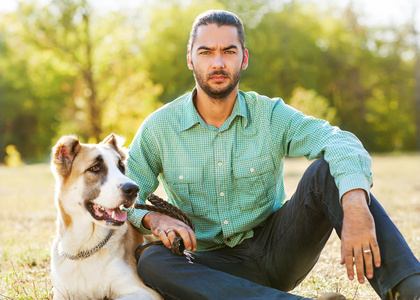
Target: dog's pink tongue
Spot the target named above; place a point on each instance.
(117, 214)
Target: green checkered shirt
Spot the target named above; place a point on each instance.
(230, 180)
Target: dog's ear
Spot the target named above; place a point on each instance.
(117, 142)
(63, 154)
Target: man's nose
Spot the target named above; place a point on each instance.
(218, 62)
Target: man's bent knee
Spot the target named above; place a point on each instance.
(320, 163)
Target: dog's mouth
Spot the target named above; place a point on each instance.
(113, 216)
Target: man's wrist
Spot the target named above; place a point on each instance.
(356, 197)
(146, 220)
(135, 216)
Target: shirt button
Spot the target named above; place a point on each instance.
(252, 169)
(220, 164)
(222, 194)
(226, 222)
(181, 177)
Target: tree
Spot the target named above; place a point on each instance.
(31, 93)
(76, 72)
(308, 102)
(355, 68)
(64, 29)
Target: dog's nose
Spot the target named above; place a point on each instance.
(130, 189)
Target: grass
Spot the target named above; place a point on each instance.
(27, 227)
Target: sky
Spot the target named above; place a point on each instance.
(377, 12)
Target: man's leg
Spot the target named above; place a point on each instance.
(177, 277)
(290, 242)
(292, 239)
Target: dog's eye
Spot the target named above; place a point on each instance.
(121, 166)
(95, 168)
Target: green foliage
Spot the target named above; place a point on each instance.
(75, 73)
(70, 68)
(312, 104)
(283, 52)
(31, 94)
(341, 61)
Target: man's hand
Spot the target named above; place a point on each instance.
(358, 236)
(167, 228)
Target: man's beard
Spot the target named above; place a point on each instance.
(216, 92)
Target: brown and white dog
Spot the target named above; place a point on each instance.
(92, 256)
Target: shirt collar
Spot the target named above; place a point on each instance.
(242, 110)
(191, 116)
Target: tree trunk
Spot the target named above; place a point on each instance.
(94, 109)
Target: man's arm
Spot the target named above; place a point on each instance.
(143, 166)
(350, 165)
(358, 236)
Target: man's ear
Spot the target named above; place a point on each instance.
(63, 154)
(189, 60)
(245, 60)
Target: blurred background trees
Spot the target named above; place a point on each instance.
(70, 67)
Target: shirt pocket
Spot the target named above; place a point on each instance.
(255, 182)
(187, 187)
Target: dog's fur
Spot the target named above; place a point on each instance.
(90, 192)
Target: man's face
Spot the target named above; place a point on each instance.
(217, 59)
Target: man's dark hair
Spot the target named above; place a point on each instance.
(220, 18)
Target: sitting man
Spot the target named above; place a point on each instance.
(219, 153)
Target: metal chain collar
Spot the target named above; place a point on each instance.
(86, 254)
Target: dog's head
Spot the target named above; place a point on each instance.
(91, 180)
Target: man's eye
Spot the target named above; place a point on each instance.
(94, 169)
(205, 53)
(230, 52)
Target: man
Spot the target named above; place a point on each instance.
(219, 153)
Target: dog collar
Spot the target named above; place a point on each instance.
(86, 254)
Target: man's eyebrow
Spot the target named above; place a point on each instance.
(230, 47)
(204, 48)
(212, 48)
